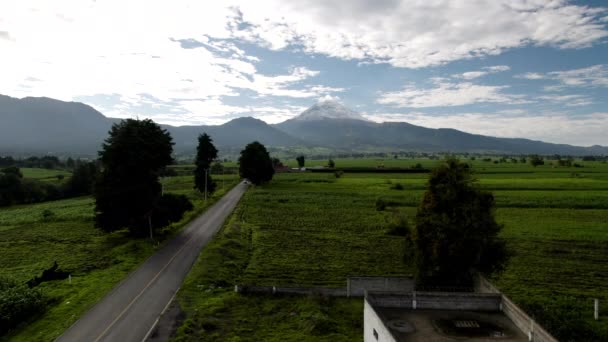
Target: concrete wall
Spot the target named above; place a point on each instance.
(291, 290)
(373, 327)
(519, 317)
(356, 286)
(437, 301)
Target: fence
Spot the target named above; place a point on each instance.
(356, 286)
(437, 301)
(519, 317)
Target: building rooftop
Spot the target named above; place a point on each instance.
(449, 325)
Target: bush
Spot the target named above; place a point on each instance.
(397, 186)
(170, 208)
(398, 224)
(18, 303)
(380, 204)
(338, 174)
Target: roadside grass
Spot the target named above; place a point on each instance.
(312, 229)
(31, 242)
(216, 313)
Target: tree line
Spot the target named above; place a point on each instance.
(15, 189)
(127, 190)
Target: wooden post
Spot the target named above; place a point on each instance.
(348, 287)
(596, 309)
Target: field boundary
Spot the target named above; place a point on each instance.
(519, 317)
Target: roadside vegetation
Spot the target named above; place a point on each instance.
(315, 229)
(33, 237)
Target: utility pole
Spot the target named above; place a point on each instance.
(150, 225)
(206, 185)
(222, 177)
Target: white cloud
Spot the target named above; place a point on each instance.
(568, 100)
(584, 130)
(418, 34)
(498, 68)
(449, 94)
(593, 76)
(531, 76)
(469, 75)
(328, 98)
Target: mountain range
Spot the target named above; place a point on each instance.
(35, 125)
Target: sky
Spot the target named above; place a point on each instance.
(536, 69)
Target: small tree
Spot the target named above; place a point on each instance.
(206, 153)
(456, 232)
(331, 164)
(82, 180)
(536, 160)
(255, 163)
(301, 161)
(276, 163)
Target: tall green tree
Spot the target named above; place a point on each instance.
(206, 153)
(255, 163)
(127, 190)
(301, 161)
(456, 232)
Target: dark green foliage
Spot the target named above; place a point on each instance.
(276, 163)
(456, 232)
(380, 204)
(331, 164)
(301, 161)
(338, 173)
(18, 303)
(398, 224)
(397, 186)
(255, 163)
(217, 168)
(14, 189)
(535, 160)
(82, 180)
(51, 273)
(127, 189)
(170, 208)
(206, 153)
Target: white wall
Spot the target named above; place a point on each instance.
(372, 322)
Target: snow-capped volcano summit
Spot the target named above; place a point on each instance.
(329, 109)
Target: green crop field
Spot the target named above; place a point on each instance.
(313, 229)
(52, 176)
(32, 237)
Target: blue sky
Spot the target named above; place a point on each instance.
(522, 68)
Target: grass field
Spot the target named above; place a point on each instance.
(316, 229)
(31, 242)
(51, 176)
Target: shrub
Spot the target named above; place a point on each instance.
(398, 224)
(18, 303)
(380, 204)
(397, 186)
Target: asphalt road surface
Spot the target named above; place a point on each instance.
(130, 310)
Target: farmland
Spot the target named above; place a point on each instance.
(313, 229)
(32, 237)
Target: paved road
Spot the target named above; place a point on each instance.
(130, 310)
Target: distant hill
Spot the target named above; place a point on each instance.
(326, 128)
(43, 125)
